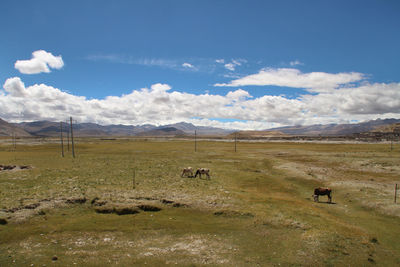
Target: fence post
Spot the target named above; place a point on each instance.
(134, 179)
(235, 141)
(14, 140)
(61, 137)
(67, 137)
(195, 141)
(72, 139)
(395, 193)
(391, 143)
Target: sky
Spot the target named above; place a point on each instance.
(223, 63)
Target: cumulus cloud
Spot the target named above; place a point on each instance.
(41, 61)
(238, 95)
(295, 63)
(159, 104)
(230, 66)
(187, 65)
(233, 64)
(288, 77)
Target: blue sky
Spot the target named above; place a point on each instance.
(232, 64)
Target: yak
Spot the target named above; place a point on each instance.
(320, 191)
(201, 171)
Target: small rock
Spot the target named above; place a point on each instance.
(3, 221)
(54, 258)
(149, 208)
(41, 212)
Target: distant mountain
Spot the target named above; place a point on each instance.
(163, 131)
(8, 129)
(336, 129)
(48, 128)
(392, 128)
(256, 134)
(189, 129)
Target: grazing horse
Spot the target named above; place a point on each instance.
(201, 171)
(322, 192)
(187, 171)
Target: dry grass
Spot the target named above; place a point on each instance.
(256, 209)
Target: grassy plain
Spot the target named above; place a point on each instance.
(256, 210)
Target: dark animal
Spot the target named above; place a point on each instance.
(8, 167)
(320, 191)
(202, 171)
(187, 171)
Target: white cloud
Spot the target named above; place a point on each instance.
(221, 61)
(41, 61)
(15, 87)
(159, 104)
(233, 64)
(187, 65)
(313, 81)
(123, 59)
(230, 66)
(238, 95)
(295, 63)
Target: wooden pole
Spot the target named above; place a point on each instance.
(391, 143)
(395, 193)
(195, 141)
(235, 141)
(61, 137)
(72, 138)
(14, 142)
(134, 179)
(67, 137)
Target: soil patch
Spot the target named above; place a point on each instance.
(79, 200)
(233, 213)
(97, 202)
(14, 167)
(173, 203)
(149, 208)
(120, 210)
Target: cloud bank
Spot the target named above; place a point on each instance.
(288, 77)
(159, 104)
(41, 61)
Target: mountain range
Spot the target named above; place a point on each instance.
(337, 129)
(51, 129)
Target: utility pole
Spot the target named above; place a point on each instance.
(235, 141)
(67, 137)
(195, 141)
(72, 138)
(391, 142)
(134, 179)
(14, 141)
(61, 137)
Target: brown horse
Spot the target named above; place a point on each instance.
(201, 171)
(322, 192)
(187, 171)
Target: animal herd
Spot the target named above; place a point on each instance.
(320, 191)
(188, 172)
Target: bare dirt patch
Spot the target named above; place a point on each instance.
(120, 210)
(233, 213)
(14, 167)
